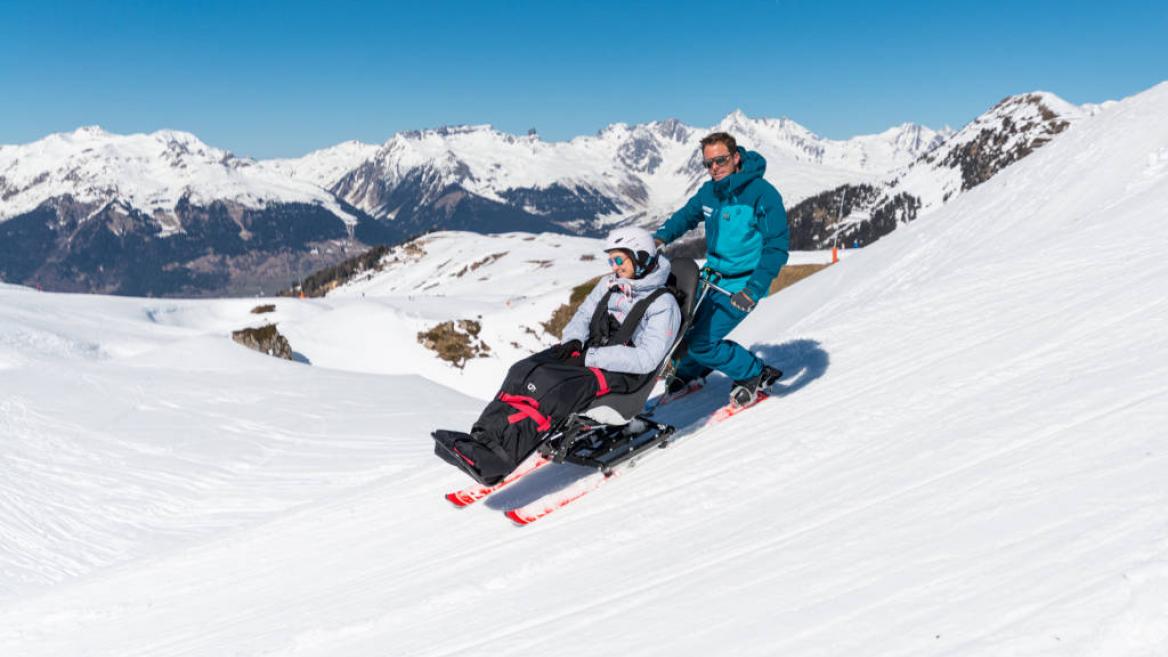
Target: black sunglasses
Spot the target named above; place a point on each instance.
(720, 160)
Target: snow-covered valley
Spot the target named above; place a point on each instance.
(966, 456)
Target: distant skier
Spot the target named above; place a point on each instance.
(550, 385)
(746, 246)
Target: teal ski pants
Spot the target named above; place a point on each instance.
(707, 347)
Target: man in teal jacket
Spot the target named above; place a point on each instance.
(746, 246)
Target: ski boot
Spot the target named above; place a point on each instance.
(745, 393)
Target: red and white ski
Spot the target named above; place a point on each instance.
(472, 494)
(525, 515)
(730, 410)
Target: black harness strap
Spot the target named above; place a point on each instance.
(601, 324)
(625, 334)
(605, 330)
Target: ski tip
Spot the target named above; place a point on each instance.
(457, 500)
(518, 518)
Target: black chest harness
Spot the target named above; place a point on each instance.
(604, 330)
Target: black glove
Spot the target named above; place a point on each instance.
(743, 302)
(564, 351)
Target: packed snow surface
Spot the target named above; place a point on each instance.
(965, 457)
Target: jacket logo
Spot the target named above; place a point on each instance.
(530, 387)
(707, 211)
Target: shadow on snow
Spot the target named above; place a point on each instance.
(801, 361)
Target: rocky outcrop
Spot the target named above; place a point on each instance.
(1024, 123)
(265, 339)
(857, 215)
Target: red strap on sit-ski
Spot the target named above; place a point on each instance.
(518, 399)
(527, 407)
(604, 390)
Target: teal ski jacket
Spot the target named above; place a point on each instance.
(746, 227)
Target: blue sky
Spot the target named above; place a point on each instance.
(274, 79)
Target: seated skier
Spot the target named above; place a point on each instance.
(598, 355)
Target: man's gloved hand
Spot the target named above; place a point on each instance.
(743, 302)
(564, 351)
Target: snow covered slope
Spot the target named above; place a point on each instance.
(159, 432)
(326, 166)
(492, 268)
(509, 285)
(965, 458)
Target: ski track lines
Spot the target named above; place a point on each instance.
(154, 493)
(599, 611)
(1076, 333)
(688, 474)
(835, 518)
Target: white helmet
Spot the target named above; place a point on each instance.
(639, 243)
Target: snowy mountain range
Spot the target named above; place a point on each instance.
(162, 213)
(165, 214)
(965, 456)
(467, 176)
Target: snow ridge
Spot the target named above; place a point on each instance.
(150, 172)
(862, 213)
(645, 169)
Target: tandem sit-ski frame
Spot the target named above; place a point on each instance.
(604, 447)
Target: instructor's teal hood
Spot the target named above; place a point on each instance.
(752, 168)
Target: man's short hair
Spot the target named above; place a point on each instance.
(724, 138)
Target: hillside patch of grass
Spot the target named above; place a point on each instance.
(562, 315)
(791, 274)
(455, 342)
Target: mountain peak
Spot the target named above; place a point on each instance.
(446, 131)
(90, 131)
(737, 115)
(1048, 104)
(734, 120)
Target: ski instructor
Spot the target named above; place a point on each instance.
(746, 246)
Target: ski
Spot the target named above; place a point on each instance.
(610, 462)
(472, 494)
(525, 515)
(730, 410)
(608, 458)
